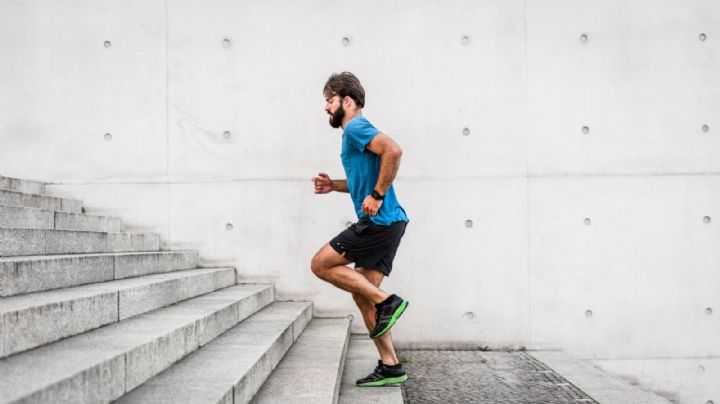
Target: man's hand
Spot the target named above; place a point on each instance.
(371, 206)
(323, 184)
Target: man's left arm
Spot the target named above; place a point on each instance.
(390, 154)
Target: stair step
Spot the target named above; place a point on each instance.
(312, 369)
(24, 186)
(35, 218)
(231, 368)
(362, 358)
(33, 320)
(20, 275)
(14, 242)
(103, 364)
(24, 200)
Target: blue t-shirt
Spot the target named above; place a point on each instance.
(362, 168)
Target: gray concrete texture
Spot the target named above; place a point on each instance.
(601, 385)
(19, 199)
(312, 369)
(20, 275)
(34, 218)
(232, 367)
(103, 364)
(20, 185)
(361, 360)
(17, 242)
(36, 319)
(617, 126)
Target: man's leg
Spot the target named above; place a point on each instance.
(329, 266)
(383, 343)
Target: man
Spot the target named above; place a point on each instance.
(371, 160)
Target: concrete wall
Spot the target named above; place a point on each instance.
(574, 110)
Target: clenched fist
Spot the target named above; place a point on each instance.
(323, 183)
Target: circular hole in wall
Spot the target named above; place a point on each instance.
(702, 37)
(708, 311)
(705, 128)
(707, 220)
(583, 38)
(346, 41)
(588, 313)
(587, 221)
(585, 130)
(227, 42)
(108, 137)
(107, 44)
(465, 40)
(227, 134)
(466, 132)
(469, 315)
(348, 224)
(468, 223)
(229, 226)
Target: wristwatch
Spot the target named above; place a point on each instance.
(376, 195)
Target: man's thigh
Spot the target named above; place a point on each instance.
(373, 275)
(327, 257)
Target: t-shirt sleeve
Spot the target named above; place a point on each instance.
(360, 133)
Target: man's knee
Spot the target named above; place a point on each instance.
(317, 266)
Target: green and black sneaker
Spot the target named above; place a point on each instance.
(388, 312)
(383, 376)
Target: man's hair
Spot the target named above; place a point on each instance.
(345, 84)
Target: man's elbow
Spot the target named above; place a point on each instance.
(395, 152)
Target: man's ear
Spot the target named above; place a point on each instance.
(348, 102)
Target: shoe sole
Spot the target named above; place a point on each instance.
(385, 382)
(396, 315)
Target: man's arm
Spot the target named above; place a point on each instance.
(323, 184)
(340, 186)
(390, 154)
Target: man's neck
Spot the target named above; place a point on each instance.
(349, 116)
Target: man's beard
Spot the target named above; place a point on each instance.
(337, 117)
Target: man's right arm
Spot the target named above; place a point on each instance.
(323, 184)
(340, 186)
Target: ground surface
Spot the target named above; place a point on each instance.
(484, 377)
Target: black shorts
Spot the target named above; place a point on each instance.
(370, 245)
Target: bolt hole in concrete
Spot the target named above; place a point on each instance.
(108, 137)
(465, 40)
(587, 221)
(710, 402)
(583, 38)
(702, 37)
(227, 42)
(229, 226)
(709, 311)
(348, 224)
(469, 315)
(585, 130)
(468, 223)
(707, 220)
(588, 313)
(705, 128)
(346, 41)
(107, 44)
(466, 132)
(227, 134)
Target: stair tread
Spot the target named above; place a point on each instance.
(362, 357)
(23, 258)
(52, 365)
(35, 299)
(311, 371)
(210, 373)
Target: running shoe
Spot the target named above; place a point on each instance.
(388, 312)
(383, 375)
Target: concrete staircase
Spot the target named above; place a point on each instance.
(90, 313)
